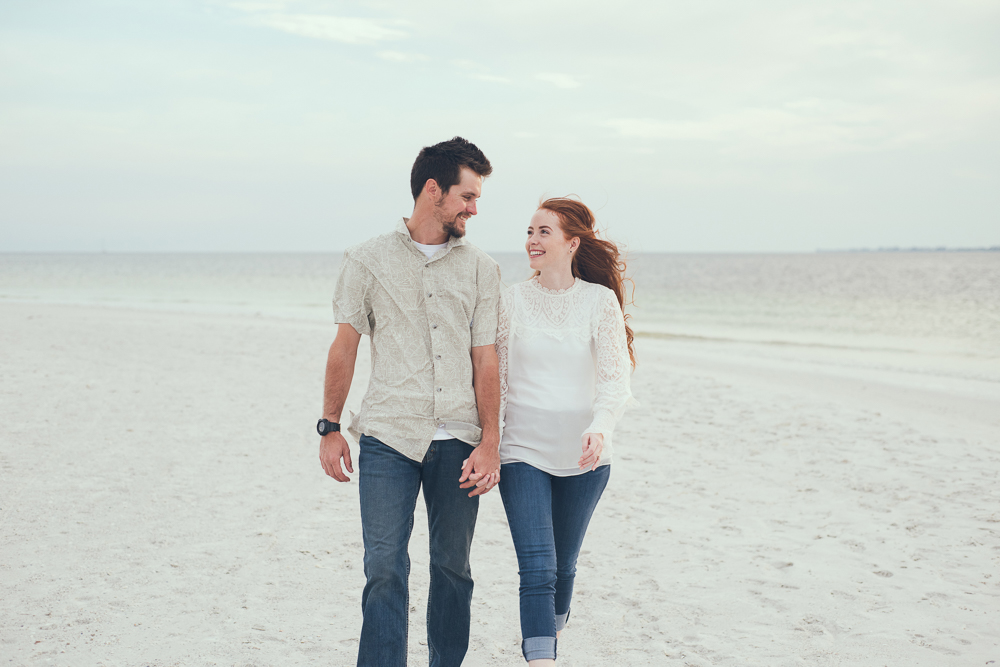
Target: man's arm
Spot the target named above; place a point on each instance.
(339, 373)
(482, 468)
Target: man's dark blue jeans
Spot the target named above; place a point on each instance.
(548, 517)
(388, 484)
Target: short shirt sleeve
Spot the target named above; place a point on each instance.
(484, 320)
(351, 302)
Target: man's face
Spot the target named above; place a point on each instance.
(455, 207)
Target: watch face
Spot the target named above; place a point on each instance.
(321, 427)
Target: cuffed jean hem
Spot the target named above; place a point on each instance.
(539, 648)
(561, 620)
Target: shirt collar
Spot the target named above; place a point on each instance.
(401, 228)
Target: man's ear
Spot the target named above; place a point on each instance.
(432, 189)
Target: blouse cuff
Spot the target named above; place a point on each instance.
(604, 423)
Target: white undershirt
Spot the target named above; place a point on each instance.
(430, 251)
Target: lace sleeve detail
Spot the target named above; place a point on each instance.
(613, 366)
(502, 344)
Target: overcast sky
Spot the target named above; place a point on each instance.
(205, 125)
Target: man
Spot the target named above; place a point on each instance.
(428, 299)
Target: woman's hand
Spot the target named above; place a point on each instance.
(593, 445)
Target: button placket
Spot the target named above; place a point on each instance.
(429, 291)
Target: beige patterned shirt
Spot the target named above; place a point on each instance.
(424, 316)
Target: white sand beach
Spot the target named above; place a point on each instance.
(161, 504)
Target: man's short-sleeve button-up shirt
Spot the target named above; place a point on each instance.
(423, 316)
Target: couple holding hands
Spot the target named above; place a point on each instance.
(472, 389)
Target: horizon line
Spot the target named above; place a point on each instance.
(880, 249)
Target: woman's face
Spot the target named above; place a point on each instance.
(547, 246)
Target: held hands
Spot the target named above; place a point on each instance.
(482, 469)
(333, 447)
(593, 445)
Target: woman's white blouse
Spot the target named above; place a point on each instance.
(564, 371)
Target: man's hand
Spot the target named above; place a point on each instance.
(332, 448)
(482, 469)
(593, 445)
(339, 373)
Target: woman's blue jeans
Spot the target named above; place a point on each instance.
(388, 485)
(548, 517)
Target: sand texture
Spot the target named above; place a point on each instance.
(162, 503)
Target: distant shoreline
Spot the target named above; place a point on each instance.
(995, 248)
(236, 253)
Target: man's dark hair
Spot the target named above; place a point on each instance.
(444, 161)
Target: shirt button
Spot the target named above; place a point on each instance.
(439, 388)
(438, 356)
(434, 326)
(429, 294)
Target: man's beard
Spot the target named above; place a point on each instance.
(452, 228)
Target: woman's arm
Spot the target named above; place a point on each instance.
(503, 344)
(613, 366)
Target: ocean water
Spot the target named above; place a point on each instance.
(933, 312)
(924, 319)
(933, 302)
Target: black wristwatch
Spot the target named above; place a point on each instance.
(324, 426)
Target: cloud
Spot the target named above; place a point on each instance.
(334, 28)
(399, 57)
(816, 126)
(651, 128)
(491, 78)
(558, 80)
(263, 6)
(471, 66)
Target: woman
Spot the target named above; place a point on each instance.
(565, 357)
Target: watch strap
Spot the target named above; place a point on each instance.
(324, 426)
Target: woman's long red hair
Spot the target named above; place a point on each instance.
(596, 260)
